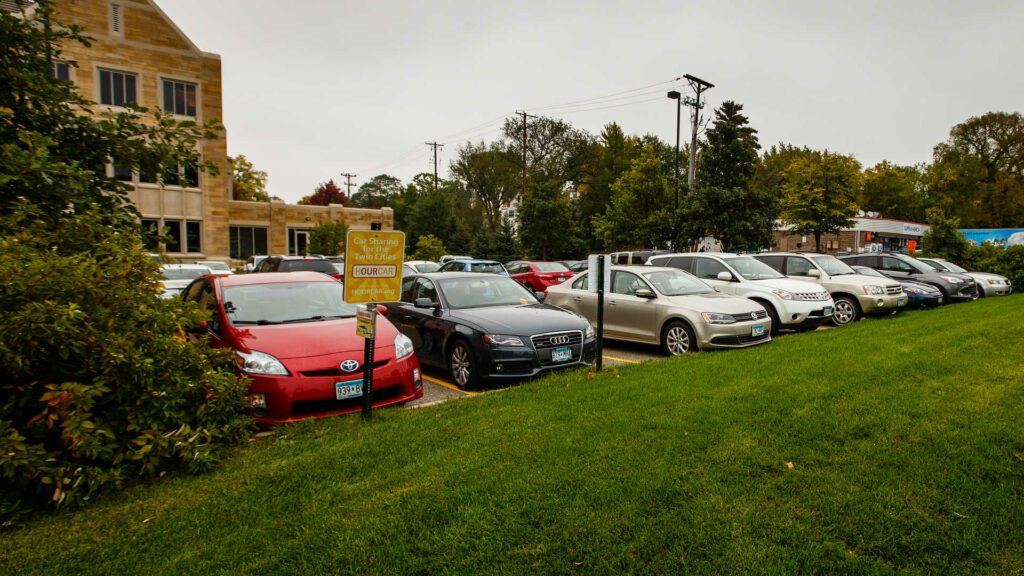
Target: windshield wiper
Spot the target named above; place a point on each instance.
(317, 318)
(257, 322)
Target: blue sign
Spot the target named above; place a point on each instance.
(996, 236)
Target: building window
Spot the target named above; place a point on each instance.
(61, 71)
(117, 88)
(180, 97)
(246, 241)
(116, 19)
(170, 231)
(147, 173)
(172, 235)
(193, 236)
(190, 172)
(123, 172)
(150, 234)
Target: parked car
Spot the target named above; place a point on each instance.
(954, 287)
(854, 295)
(295, 337)
(918, 295)
(538, 276)
(791, 304)
(668, 307)
(254, 261)
(178, 276)
(988, 284)
(448, 258)
(484, 326)
(478, 266)
(217, 266)
(301, 264)
(580, 266)
(634, 257)
(568, 264)
(419, 266)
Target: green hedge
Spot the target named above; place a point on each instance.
(1007, 262)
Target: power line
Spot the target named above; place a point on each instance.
(435, 146)
(592, 100)
(608, 107)
(348, 183)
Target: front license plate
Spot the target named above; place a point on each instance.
(350, 389)
(901, 302)
(828, 310)
(561, 354)
(757, 330)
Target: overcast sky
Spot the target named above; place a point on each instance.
(314, 88)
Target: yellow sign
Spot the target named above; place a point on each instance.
(366, 325)
(373, 266)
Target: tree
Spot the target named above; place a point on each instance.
(501, 245)
(327, 238)
(426, 210)
(943, 239)
(612, 157)
(893, 191)
(324, 194)
(547, 228)
(378, 192)
(429, 247)
(247, 183)
(639, 212)
(819, 192)
(490, 174)
(729, 157)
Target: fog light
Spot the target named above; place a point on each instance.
(795, 316)
(259, 412)
(257, 401)
(499, 367)
(417, 379)
(881, 302)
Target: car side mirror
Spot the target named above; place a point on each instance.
(646, 293)
(382, 310)
(724, 276)
(540, 296)
(425, 303)
(814, 273)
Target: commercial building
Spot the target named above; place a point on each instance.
(138, 55)
(866, 235)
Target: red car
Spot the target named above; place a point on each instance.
(537, 276)
(295, 337)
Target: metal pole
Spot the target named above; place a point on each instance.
(600, 311)
(679, 108)
(368, 349)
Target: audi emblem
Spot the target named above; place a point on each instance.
(559, 340)
(349, 366)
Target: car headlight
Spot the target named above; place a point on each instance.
(952, 279)
(503, 340)
(914, 290)
(260, 363)
(403, 346)
(874, 290)
(718, 318)
(588, 332)
(994, 282)
(783, 294)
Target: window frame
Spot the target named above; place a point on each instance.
(100, 69)
(172, 106)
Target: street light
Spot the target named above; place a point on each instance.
(675, 95)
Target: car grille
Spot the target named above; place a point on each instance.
(748, 316)
(738, 340)
(812, 296)
(331, 405)
(542, 341)
(894, 289)
(968, 290)
(336, 371)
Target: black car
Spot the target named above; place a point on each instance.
(484, 326)
(919, 295)
(954, 287)
(299, 264)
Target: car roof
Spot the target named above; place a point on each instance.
(800, 253)
(475, 261)
(185, 266)
(448, 275)
(718, 254)
(273, 278)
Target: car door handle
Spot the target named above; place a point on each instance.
(578, 298)
(611, 302)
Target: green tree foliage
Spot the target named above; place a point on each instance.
(943, 238)
(555, 151)
(638, 214)
(729, 157)
(426, 210)
(977, 175)
(502, 245)
(378, 192)
(327, 238)
(248, 183)
(819, 193)
(547, 228)
(612, 157)
(893, 191)
(491, 174)
(429, 247)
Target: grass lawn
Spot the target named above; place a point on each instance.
(892, 446)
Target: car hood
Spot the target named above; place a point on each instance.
(861, 280)
(519, 320)
(178, 285)
(786, 284)
(715, 302)
(920, 285)
(980, 276)
(306, 339)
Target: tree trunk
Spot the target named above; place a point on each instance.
(817, 241)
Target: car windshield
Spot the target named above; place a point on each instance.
(832, 265)
(550, 267)
(217, 266)
(286, 302)
(677, 283)
(487, 267)
(481, 291)
(752, 269)
(917, 264)
(424, 267)
(951, 267)
(869, 272)
(183, 273)
(324, 266)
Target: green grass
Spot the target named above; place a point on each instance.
(906, 438)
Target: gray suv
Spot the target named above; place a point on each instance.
(954, 287)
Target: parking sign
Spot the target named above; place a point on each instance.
(373, 266)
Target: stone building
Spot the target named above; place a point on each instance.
(139, 55)
(867, 234)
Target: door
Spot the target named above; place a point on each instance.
(628, 315)
(896, 268)
(299, 242)
(798, 268)
(424, 326)
(580, 299)
(707, 269)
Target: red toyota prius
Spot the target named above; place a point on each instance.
(294, 335)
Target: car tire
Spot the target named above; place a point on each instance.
(774, 317)
(845, 311)
(979, 290)
(463, 366)
(677, 339)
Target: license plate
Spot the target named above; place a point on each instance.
(350, 389)
(828, 310)
(561, 354)
(901, 302)
(757, 330)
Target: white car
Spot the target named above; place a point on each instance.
(177, 277)
(217, 266)
(988, 284)
(419, 267)
(790, 303)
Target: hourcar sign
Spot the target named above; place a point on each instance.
(373, 266)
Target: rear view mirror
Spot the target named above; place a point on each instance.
(644, 293)
(425, 303)
(725, 276)
(813, 273)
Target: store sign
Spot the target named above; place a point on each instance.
(913, 229)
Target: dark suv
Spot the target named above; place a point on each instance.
(298, 264)
(954, 287)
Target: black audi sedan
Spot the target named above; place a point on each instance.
(485, 326)
(954, 287)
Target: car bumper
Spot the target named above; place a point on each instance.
(925, 301)
(524, 362)
(293, 398)
(805, 314)
(739, 335)
(961, 292)
(996, 290)
(885, 304)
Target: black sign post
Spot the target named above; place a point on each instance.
(368, 347)
(600, 311)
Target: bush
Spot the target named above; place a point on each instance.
(1007, 262)
(327, 239)
(428, 247)
(98, 382)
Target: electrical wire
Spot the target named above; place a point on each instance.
(606, 96)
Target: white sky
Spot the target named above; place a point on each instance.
(314, 88)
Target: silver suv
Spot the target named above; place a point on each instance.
(854, 294)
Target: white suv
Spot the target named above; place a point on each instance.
(790, 303)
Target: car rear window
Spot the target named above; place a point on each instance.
(307, 266)
(550, 267)
(487, 267)
(183, 273)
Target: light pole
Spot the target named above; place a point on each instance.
(674, 95)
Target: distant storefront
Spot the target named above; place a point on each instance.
(997, 236)
(866, 235)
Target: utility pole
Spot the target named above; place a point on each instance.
(435, 146)
(348, 183)
(698, 86)
(674, 95)
(525, 140)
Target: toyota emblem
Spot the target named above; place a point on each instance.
(349, 366)
(559, 340)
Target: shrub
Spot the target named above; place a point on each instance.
(1008, 262)
(428, 247)
(98, 382)
(328, 239)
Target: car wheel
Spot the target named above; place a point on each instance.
(979, 290)
(462, 366)
(677, 338)
(774, 317)
(845, 311)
